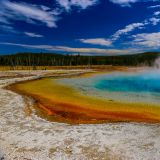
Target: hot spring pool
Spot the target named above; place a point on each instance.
(148, 82)
(121, 86)
(107, 97)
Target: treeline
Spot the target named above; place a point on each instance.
(52, 59)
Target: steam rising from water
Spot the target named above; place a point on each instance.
(157, 63)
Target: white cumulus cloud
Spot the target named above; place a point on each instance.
(157, 13)
(97, 41)
(150, 40)
(83, 4)
(124, 2)
(154, 20)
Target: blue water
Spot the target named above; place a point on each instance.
(120, 86)
(135, 82)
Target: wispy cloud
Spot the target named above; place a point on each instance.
(97, 41)
(33, 35)
(154, 20)
(155, 6)
(84, 51)
(82, 4)
(127, 3)
(13, 11)
(7, 28)
(127, 29)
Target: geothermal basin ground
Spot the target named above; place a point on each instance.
(25, 135)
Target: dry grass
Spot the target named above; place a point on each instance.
(99, 67)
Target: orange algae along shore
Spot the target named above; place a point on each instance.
(61, 103)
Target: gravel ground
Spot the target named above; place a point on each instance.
(25, 136)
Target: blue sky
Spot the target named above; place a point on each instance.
(101, 27)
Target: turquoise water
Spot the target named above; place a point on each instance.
(120, 86)
(135, 82)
